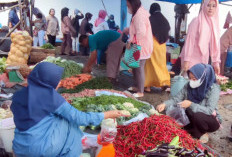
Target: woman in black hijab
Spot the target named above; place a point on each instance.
(156, 71)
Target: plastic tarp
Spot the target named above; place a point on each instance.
(187, 1)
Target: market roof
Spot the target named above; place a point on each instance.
(188, 1)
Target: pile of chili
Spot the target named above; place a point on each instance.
(145, 135)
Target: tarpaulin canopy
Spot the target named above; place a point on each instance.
(187, 1)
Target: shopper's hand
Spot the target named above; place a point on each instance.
(214, 113)
(113, 114)
(185, 104)
(10, 25)
(161, 107)
(128, 45)
(216, 68)
(186, 66)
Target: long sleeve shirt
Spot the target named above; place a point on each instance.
(52, 25)
(66, 26)
(140, 32)
(207, 106)
(56, 135)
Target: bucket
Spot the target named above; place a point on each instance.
(7, 128)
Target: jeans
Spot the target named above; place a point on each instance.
(75, 44)
(39, 38)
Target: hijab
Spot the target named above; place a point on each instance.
(101, 17)
(88, 16)
(208, 27)
(33, 103)
(159, 24)
(206, 73)
(64, 12)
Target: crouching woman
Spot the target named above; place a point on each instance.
(200, 99)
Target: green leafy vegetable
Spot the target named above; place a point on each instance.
(2, 65)
(226, 86)
(95, 83)
(48, 46)
(70, 67)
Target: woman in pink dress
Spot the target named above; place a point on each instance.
(203, 38)
(140, 32)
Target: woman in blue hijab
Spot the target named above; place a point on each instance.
(47, 125)
(200, 99)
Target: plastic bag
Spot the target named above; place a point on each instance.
(178, 113)
(89, 141)
(108, 131)
(140, 117)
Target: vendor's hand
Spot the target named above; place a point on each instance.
(186, 66)
(185, 104)
(128, 45)
(113, 114)
(216, 68)
(161, 107)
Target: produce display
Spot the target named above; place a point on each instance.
(136, 137)
(106, 103)
(95, 83)
(70, 67)
(5, 113)
(2, 65)
(226, 86)
(72, 82)
(20, 48)
(48, 46)
(91, 93)
(173, 149)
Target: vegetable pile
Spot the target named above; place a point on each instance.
(173, 149)
(70, 67)
(72, 82)
(226, 86)
(2, 65)
(48, 46)
(95, 83)
(91, 93)
(20, 48)
(136, 137)
(106, 103)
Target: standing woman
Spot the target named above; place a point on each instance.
(53, 27)
(203, 38)
(140, 33)
(156, 72)
(75, 22)
(67, 29)
(85, 29)
(100, 24)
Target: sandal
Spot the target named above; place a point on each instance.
(132, 89)
(147, 89)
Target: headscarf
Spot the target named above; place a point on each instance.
(208, 78)
(208, 27)
(64, 12)
(159, 24)
(33, 103)
(88, 16)
(101, 17)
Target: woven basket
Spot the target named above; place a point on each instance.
(36, 57)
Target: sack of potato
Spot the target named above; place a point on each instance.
(20, 48)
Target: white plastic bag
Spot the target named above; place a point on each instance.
(89, 141)
(140, 117)
(108, 131)
(178, 113)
